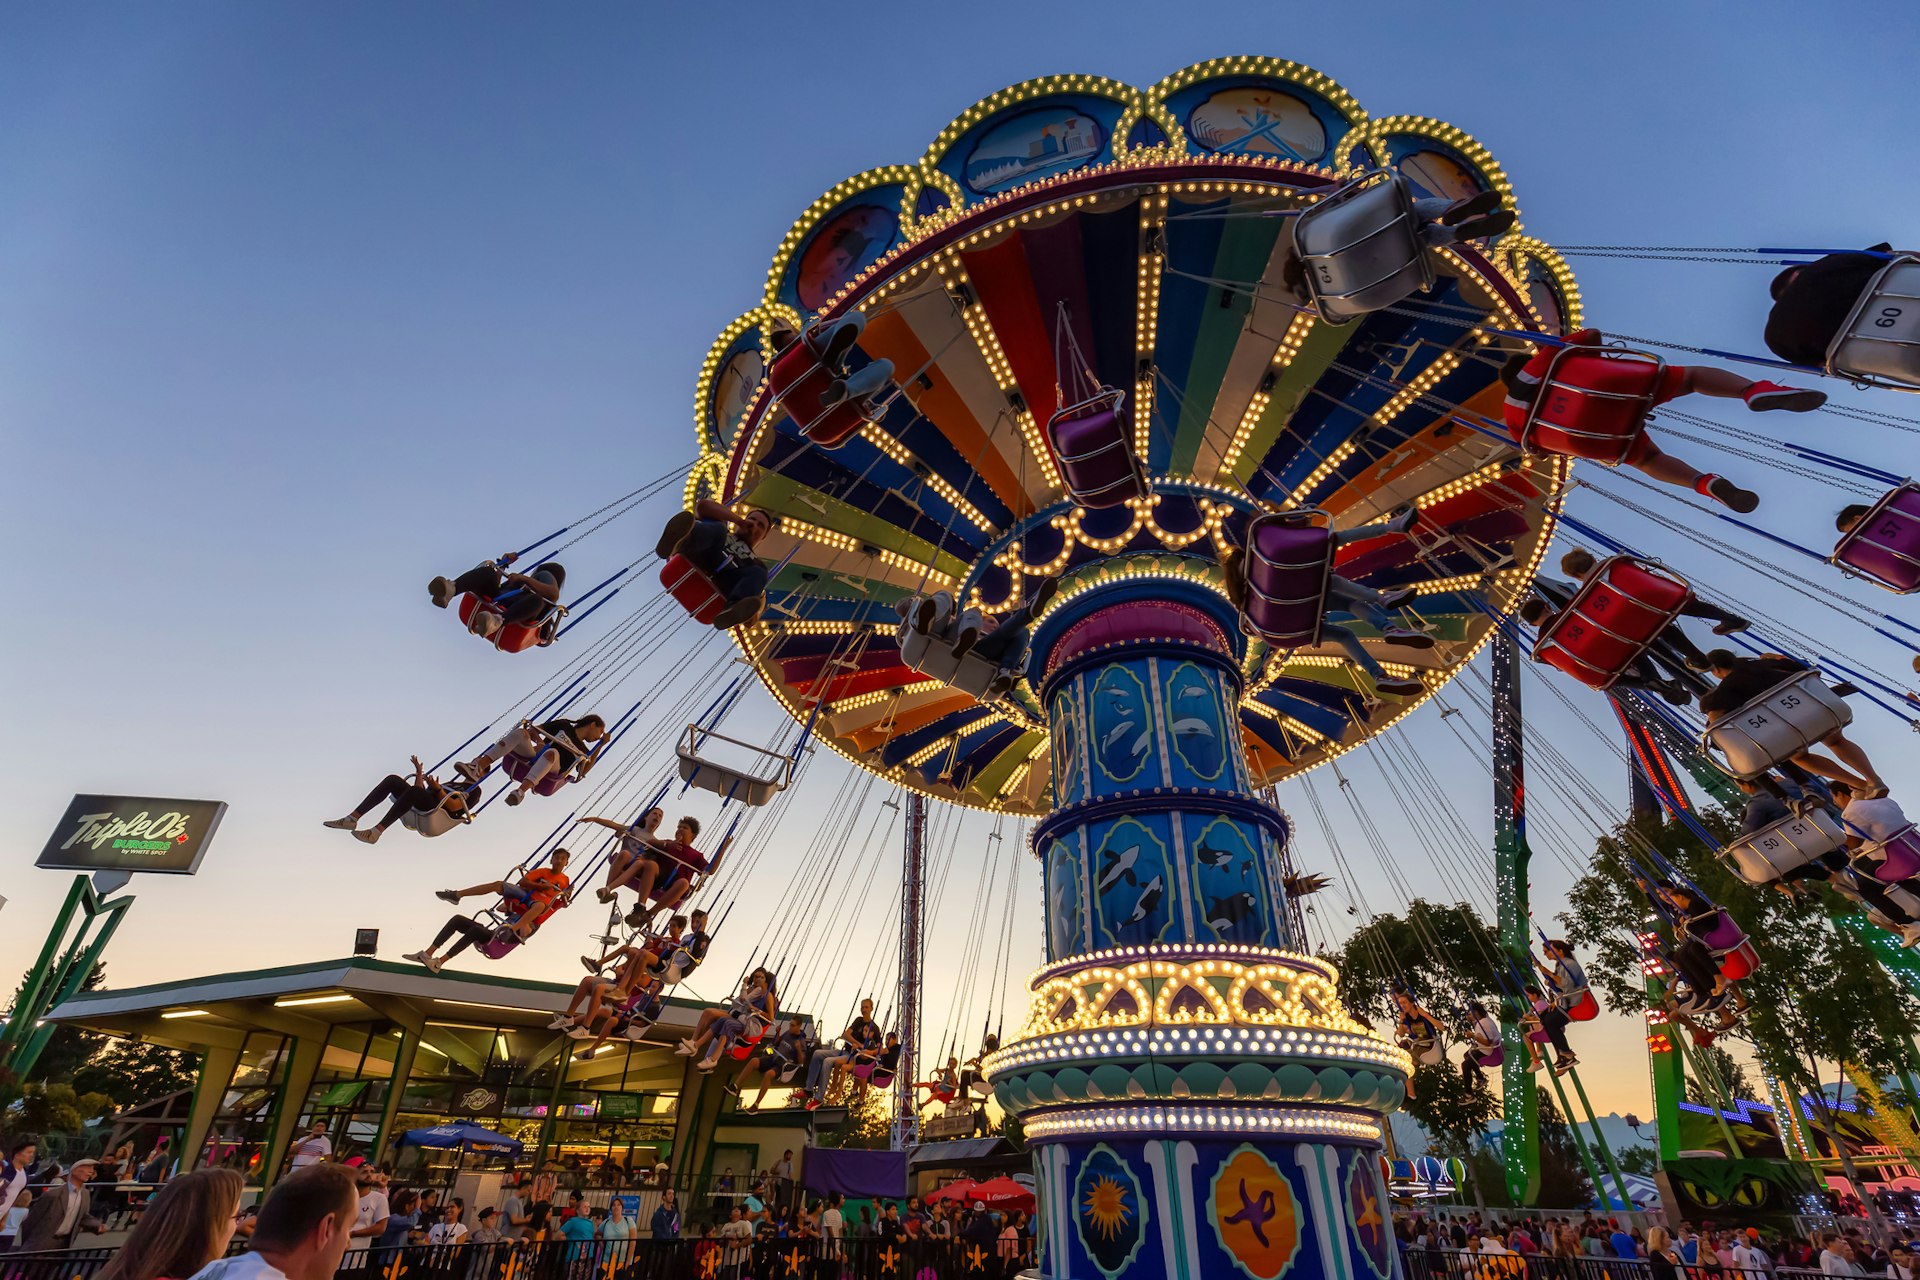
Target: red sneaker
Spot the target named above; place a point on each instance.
(1771, 395)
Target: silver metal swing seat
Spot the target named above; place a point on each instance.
(1780, 848)
(1776, 726)
(1361, 247)
(750, 785)
(1879, 345)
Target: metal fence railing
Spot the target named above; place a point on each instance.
(1454, 1264)
(695, 1259)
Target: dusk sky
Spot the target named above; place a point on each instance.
(302, 305)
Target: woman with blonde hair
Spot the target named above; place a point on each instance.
(1662, 1257)
(188, 1224)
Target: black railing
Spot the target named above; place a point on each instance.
(690, 1259)
(1455, 1264)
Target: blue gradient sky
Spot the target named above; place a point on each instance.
(300, 305)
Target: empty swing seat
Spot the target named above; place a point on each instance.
(511, 637)
(1361, 247)
(692, 588)
(1891, 860)
(970, 673)
(1776, 726)
(1885, 545)
(1620, 609)
(1879, 344)
(1781, 848)
(1094, 444)
(750, 786)
(1289, 564)
(1593, 403)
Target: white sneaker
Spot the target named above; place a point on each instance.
(342, 824)
(440, 591)
(684, 1048)
(515, 797)
(560, 1022)
(1910, 936)
(433, 963)
(418, 957)
(579, 1033)
(370, 836)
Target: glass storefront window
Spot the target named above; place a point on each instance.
(243, 1125)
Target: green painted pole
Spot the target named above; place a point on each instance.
(1579, 1143)
(73, 978)
(28, 1008)
(1600, 1140)
(1520, 1141)
(1711, 1078)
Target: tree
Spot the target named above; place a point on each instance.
(126, 1072)
(1443, 955)
(56, 1107)
(1641, 1160)
(869, 1123)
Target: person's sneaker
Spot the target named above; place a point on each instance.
(1730, 626)
(743, 610)
(1395, 598)
(705, 1066)
(1403, 686)
(370, 836)
(590, 964)
(731, 1088)
(1406, 519)
(1472, 207)
(670, 537)
(1494, 224)
(1407, 638)
(605, 895)
(475, 770)
(964, 642)
(1044, 593)
(1762, 396)
(923, 615)
(448, 895)
(637, 918)
(684, 1048)
(515, 797)
(342, 824)
(579, 1033)
(560, 1022)
(840, 339)
(418, 957)
(814, 1104)
(1910, 935)
(433, 963)
(1565, 1065)
(1729, 494)
(440, 591)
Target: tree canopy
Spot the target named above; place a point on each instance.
(1443, 954)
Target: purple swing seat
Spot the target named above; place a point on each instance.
(1885, 545)
(1902, 860)
(518, 767)
(1289, 564)
(1095, 449)
(1724, 936)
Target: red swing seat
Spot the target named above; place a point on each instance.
(1585, 1008)
(799, 382)
(510, 637)
(692, 588)
(757, 1025)
(1593, 403)
(1884, 547)
(1289, 564)
(1094, 444)
(1619, 611)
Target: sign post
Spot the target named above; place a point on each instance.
(110, 837)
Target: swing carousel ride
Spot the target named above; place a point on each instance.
(1134, 451)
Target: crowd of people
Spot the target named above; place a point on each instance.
(1431, 1247)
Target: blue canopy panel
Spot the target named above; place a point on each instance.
(979, 747)
(829, 472)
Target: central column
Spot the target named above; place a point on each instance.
(1198, 1102)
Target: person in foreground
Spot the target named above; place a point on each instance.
(187, 1225)
(301, 1232)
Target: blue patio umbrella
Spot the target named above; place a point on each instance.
(466, 1136)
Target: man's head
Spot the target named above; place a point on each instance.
(559, 859)
(304, 1224)
(758, 525)
(866, 1008)
(1842, 792)
(1850, 516)
(787, 1154)
(688, 831)
(317, 1128)
(699, 919)
(486, 1216)
(81, 1172)
(590, 728)
(667, 1197)
(735, 1214)
(677, 924)
(1721, 661)
(1579, 562)
(1534, 611)
(22, 1150)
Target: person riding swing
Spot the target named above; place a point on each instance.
(719, 541)
(552, 752)
(423, 805)
(525, 904)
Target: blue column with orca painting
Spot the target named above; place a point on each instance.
(1198, 1101)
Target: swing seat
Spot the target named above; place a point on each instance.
(750, 787)
(1739, 962)
(881, 1079)
(1361, 247)
(692, 588)
(1884, 547)
(1494, 1057)
(800, 382)
(1621, 608)
(1779, 848)
(757, 1026)
(1579, 1005)
(863, 1070)
(510, 637)
(1776, 726)
(1289, 565)
(1879, 345)
(1593, 403)
(1899, 856)
(518, 767)
(1723, 935)
(499, 946)
(1095, 448)
(1426, 1053)
(970, 673)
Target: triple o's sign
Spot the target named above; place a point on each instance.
(133, 833)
